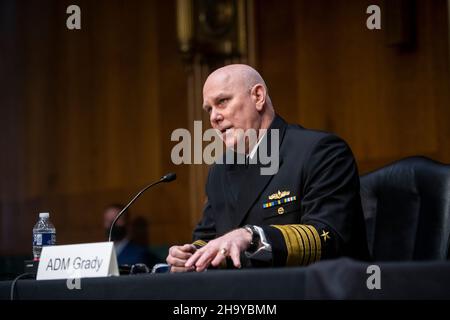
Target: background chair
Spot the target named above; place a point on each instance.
(407, 210)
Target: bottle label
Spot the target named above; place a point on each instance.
(44, 239)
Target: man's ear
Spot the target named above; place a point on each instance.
(258, 94)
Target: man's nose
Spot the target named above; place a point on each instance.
(215, 117)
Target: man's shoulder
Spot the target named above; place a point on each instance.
(296, 140)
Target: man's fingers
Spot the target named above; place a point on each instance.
(218, 259)
(205, 259)
(181, 269)
(204, 264)
(215, 252)
(182, 252)
(182, 255)
(188, 248)
(173, 261)
(193, 259)
(235, 255)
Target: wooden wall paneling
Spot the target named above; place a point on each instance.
(315, 35)
(91, 124)
(378, 98)
(39, 107)
(276, 54)
(441, 75)
(174, 199)
(12, 128)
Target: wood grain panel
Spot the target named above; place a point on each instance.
(84, 119)
(387, 103)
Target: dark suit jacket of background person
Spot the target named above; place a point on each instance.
(134, 253)
(325, 218)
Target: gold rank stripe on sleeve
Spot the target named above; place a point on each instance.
(199, 243)
(302, 234)
(318, 243)
(303, 244)
(293, 249)
(312, 242)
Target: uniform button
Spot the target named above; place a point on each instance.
(280, 210)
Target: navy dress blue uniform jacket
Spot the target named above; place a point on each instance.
(310, 209)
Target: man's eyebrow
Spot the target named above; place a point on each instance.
(216, 98)
(221, 96)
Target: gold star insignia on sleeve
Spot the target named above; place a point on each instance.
(325, 235)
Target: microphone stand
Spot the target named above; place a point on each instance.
(167, 178)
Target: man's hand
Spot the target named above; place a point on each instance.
(217, 250)
(178, 255)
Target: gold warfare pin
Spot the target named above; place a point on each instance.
(279, 195)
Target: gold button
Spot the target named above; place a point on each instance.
(280, 210)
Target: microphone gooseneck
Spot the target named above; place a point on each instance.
(166, 178)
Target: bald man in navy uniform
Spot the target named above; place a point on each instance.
(308, 210)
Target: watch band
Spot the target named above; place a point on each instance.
(256, 240)
(262, 252)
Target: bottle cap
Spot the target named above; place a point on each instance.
(44, 215)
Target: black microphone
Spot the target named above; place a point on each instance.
(167, 178)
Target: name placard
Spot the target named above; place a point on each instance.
(74, 261)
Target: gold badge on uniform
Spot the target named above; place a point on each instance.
(278, 195)
(279, 198)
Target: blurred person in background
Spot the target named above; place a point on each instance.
(130, 237)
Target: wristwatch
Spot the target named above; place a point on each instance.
(256, 239)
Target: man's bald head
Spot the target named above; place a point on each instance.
(244, 75)
(235, 96)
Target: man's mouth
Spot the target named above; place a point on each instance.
(222, 131)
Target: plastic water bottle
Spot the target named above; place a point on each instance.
(44, 234)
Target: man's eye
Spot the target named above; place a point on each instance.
(222, 101)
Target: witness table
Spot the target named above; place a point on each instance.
(334, 279)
